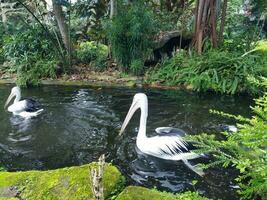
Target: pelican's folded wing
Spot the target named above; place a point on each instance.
(170, 131)
(32, 105)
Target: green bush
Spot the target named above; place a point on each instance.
(220, 71)
(94, 53)
(137, 66)
(30, 55)
(241, 32)
(31, 69)
(31, 41)
(131, 33)
(245, 150)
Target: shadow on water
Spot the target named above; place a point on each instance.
(81, 123)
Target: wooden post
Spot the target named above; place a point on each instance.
(97, 179)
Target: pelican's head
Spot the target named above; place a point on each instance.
(139, 101)
(14, 92)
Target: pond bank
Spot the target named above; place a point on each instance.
(74, 183)
(99, 79)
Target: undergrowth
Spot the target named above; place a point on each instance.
(220, 71)
(245, 150)
(131, 35)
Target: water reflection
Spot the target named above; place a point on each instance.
(21, 124)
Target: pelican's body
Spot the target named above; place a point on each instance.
(168, 144)
(24, 108)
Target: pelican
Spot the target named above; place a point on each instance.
(25, 108)
(168, 144)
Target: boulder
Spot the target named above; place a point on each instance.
(68, 183)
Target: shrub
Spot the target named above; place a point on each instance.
(30, 55)
(241, 30)
(131, 33)
(31, 69)
(220, 71)
(32, 41)
(137, 67)
(93, 53)
(245, 150)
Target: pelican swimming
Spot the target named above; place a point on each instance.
(25, 108)
(168, 144)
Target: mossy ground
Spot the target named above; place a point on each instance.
(74, 183)
(67, 183)
(141, 193)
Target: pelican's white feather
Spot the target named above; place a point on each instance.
(17, 107)
(168, 145)
(25, 108)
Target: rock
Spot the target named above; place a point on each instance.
(141, 193)
(130, 84)
(68, 183)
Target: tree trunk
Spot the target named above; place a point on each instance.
(206, 23)
(214, 39)
(62, 25)
(3, 14)
(199, 26)
(113, 8)
(224, 9)
(168, 5)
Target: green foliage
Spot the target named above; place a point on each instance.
(260, 5)
(2, 169)
(137, 66)
(31, 69)
(87, 20)
(29, 55)
(31, 41)
(93, 53)
(141, 193)
(220, 71)
(261, 47)
(241, 33)
(245, 150)
(131, 33)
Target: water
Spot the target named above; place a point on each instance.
(81, 123)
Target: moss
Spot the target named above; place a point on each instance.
(140, 193)
(67, 183)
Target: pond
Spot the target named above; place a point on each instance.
(81, 123)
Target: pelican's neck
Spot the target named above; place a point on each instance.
(143, 120)
(18, 96)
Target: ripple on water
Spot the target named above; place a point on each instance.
(81, 123)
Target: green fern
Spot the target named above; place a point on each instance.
(223, 72)
(245, 150)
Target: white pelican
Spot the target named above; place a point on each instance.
(168, 144)
(25, 108)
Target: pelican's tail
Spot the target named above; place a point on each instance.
(194, 168)
(39, 112)
(30, 114)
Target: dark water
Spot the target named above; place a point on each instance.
(81, 123)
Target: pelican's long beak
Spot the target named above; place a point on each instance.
(9, 99)
(129, 115)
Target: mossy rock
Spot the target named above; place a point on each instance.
(141, 193)
(67, 183)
